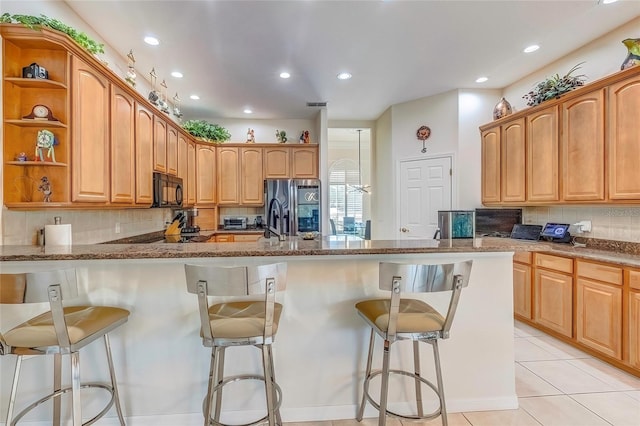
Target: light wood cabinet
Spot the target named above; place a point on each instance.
(172, 150)
(513, 169)
(522, 289)
(225, 238)
(205, 174)
(123, 149)
(304, 163)
(247, 238)
(251, 176)
(144, 155)
(599, 316)
(90, 134)
(553, 294)
(228, 175)
(634, 328)
(159, 144)
(491, 168)
(276, 163)
(624, 149)
(240, 177)
(191, 173)
(583, 147)
(543, 156)
(183, 166)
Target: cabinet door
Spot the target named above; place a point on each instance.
(583, 147)
(553, 301)
(624, 149)
(491, 166)
(90, 134)
(522, 290)
(634, 328)
(122, 147)
(599, 316)
(251, 185)
(513, 161)
(172, 150)
(191, 173)
(276, 163)
(304, 163)
(159, 145)
(228, 175)
(205, 174)
(542, 156)
(182, 168)
(144, 155)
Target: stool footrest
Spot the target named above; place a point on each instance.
(430, 416)
(64, 390)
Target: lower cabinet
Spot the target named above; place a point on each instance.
(553, 288)
(237, 238)
(522, 286)
(633, 318)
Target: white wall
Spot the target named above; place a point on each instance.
(383, 184)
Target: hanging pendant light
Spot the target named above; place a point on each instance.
(360, 187)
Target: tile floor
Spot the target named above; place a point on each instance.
(557, 385)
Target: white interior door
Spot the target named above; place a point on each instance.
(425, 188)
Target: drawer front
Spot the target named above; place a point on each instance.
(561, 264)
(599, 272)
(634, 279)
(247, 238)
(522, 257)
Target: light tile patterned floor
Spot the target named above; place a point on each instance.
(557, 385)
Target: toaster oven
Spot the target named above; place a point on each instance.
(235, 223)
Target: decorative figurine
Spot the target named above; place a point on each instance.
(305, 137)
(176, 107)
(46, 141)
(502, 109)
(281, 136)
(633, 58)
(131, 72)
(153, 95)
(21, 157)
(45, 188)
(164, 106)
(251, 137)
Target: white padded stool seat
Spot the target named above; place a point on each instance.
(82, 322)
(241, 320)
(414, 316)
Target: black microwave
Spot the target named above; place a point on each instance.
(167, 190)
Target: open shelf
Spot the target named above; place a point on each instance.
(36, 163)
(35, 123)
(35, 83)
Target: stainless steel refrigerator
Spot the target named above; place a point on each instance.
(292, 206)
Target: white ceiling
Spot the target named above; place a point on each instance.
(231, 52)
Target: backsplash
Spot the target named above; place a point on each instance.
(249, 212)
(88, 226)
(608, 223)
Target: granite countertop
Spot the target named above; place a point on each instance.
(326, 246)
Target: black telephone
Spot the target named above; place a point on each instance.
(556, 232)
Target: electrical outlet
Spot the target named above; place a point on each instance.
(117, 227)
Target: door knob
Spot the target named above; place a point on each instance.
(403, 229)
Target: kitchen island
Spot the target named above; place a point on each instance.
(320, 347)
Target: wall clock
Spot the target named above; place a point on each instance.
(40, 112)
(423, 134)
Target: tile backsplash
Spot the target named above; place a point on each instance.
(608, 223)
(88, 226)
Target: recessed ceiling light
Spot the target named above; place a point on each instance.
(194, 97)
(247, 111)
(285, 75)
(531, 48)
(608, 1)
(177, 74)
(481, 79)
(151, 40)
(344, 76)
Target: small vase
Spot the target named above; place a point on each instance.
(633, 58)
(502, 109)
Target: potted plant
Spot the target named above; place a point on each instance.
(555, 86)
(37, 22)
(206, 131)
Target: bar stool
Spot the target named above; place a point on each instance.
(63, 330)
(237, 321)
(397, 318)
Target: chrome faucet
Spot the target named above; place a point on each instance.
(279, 214)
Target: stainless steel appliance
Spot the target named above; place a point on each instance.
(291, 206)
(456, 224)
(234, 223)
(167, 190)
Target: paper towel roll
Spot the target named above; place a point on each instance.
(57, 235)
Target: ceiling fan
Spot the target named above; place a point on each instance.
(359, 187)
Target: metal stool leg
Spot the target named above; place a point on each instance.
(57, 385)
(384, 388)
(75, 389)
(114, 383)
(416, 370)
(207, 402)
(268, 384)
(366, 377)
(219, 379)
(436, 358)
(14, 390)
(273, 378)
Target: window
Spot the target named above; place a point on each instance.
(344, 198)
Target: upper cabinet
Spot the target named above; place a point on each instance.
(159, 145)
(123, 149)
(304, 162)
(144, 155)
(579, 149)
(172, 150)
